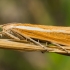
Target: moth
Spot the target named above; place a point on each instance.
(56, 35)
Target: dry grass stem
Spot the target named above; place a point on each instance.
(26, 46)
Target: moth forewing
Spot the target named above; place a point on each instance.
(54, 34)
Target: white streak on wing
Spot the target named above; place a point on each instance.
(38, 29)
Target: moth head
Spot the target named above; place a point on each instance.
(9, 26)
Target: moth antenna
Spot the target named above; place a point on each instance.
(60, 47)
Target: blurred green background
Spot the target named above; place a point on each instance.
(47, 12)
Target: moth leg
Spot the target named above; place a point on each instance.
(35, 41)
(10, 35)
(60, 47)
(32, 40)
